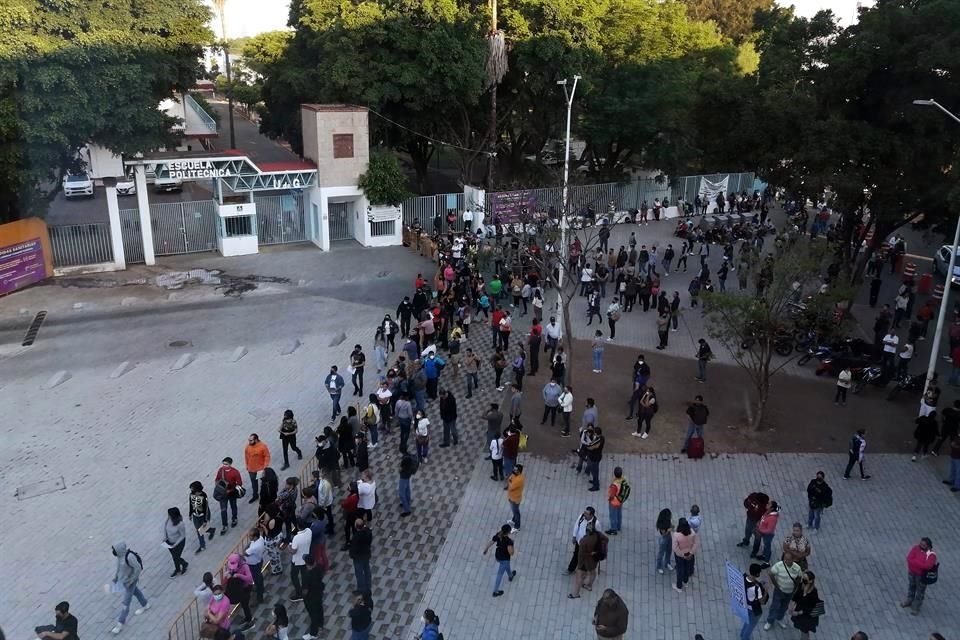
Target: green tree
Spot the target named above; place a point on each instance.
(82, 71)
(734, 18)
(384, 181)
(266, 50)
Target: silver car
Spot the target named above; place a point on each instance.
(941, 263)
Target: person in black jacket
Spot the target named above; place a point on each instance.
(360, 545)
(361, 618)
(448, 414)
(408, 467)
(313, 596)
(820, 497)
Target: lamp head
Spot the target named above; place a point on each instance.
(925, 103)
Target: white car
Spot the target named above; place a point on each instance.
(77, 185)
(126, 187)
(161, 185)
(941, 262)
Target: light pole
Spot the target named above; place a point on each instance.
(935, 347)
(564, 213)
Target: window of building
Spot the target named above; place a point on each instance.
(343, 145)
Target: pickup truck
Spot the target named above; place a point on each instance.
(77, 185)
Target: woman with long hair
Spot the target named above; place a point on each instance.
(279, 628)
(664, 540)
(269, 486)
(685, 545)
(174, 538)
(806, 606)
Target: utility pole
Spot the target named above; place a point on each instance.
(221, 7)
(937, 335)
(565, 212)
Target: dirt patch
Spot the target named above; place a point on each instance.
(801, 416)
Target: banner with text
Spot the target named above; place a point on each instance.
(709, 190)
(737, 589)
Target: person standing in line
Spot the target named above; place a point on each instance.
(174, 539)
(471, 370)
(921, 561)
(199, 510)
(408, 467)
(360, 545)
(675, 311)
(503, 553)
(598, 344)
(617, 494)
(663, 330)
(756, 505)
(256, 455)
(357, 362)
(785, 577)
(552, 333)
(591, 415)
(350, 508)
(954, 480)
(819, 497)
(591, 551)
(288, 438)
(237, 583)
(403, 411)
(361, 618)
(346, 442)
(271, 527)
(766, 529)
(704, 355)
(65, 627)
(298, 548)
(448, 415)
(519, 368)
(229, 482)
(685, 545)
(499, 362)
(534, 340)
(843, 384)
(422, 437)
(126, 577)
(313, 588)
(855, 451)
(494, 418)
(515, 483)
(587, 518)
(698, 414)
(367, 490)
(334, 384)
(496, 457)
(253, 555)
(755, 595)
(610, 617)
(566, 408)
(516, 402)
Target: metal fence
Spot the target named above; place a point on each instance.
(383, 228)
(80, 244)
(132, 236)
(281, 219)
(184, 227)
(186, 626)
(428, 210)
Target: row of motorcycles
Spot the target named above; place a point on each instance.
(858, 356)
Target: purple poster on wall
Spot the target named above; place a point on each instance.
(21, 264)
(508, 205)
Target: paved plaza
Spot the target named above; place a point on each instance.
(126, 446)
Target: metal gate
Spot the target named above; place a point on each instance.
(280, 219)
(184, 227)
(339, 215)
(132, 236)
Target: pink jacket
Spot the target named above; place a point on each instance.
(768, 522)
(685, 544)
(920, 561)
(239, 568)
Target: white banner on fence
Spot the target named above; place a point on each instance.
(709, 190)
(474, 200)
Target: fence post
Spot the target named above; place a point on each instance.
(143, 205)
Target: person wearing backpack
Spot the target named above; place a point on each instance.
(227, 488)
(125, 579)
(755, 596)
(617, 494)
(371, 419)
(592, 551)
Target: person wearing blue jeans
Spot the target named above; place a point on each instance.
(664, 540)
(819, 497)
(598, 345)
(785, 576)
(361, 618)
(765, 532)
(616, 494)
(407, 469)
(334, 384)
(754, 595)
(502, 555)
(126, 577)
(704, 354)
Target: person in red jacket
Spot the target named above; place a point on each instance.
(227, 482)
(920, 560)
(756, 505)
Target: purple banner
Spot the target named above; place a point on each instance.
(21, 264)
(508, 205)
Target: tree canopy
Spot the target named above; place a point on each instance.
(82, 71)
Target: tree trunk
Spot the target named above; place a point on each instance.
(564, 302)
(762, 383)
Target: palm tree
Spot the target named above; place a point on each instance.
(220, 6)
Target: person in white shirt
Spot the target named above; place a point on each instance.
(588, 517)
(890, 343)
(552, 332)
(586, 279)
(496, 456)
(367, 490)
(566, 406)
(299, 547)
(843, 383)
(906, 355)
(254, 557)
(204, 593)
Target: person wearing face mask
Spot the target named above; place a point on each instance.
(218, 612)
(431, 626)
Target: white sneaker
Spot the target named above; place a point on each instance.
(783, 625)
(645, 436)
(635, 434)
(307, 636)
(141, 609)
(766, 626)
(660, 571)
(371, 446)
(913, 459)
(510, 522)
(514, 530)
(117, 629)
(669, 567)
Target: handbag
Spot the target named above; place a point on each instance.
(523, 442)
(818, 609)
(930, 577)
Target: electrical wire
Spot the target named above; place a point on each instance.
(423, 135)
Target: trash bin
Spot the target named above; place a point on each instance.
(923, 287)
(707, 223)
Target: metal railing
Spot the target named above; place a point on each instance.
(205, 117)
(281, 219)
(186, 626)
(383, 228)
(79, 244)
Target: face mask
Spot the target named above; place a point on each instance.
(218, 596)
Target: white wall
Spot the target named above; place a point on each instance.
(103, 163)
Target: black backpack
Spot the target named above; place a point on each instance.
(136, 556)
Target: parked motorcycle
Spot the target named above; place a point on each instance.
(913, 383)
(782, 342)
(805, 340)
(868, 375)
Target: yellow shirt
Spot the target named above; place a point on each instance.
(515, 488)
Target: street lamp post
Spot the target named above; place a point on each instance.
(937, 335)
(564, 213)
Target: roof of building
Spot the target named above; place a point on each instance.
(333, 107)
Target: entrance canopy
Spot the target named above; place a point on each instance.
(231, 170)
